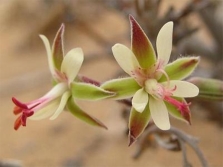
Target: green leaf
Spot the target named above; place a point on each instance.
(79, 113)
(123, 87)
(141, 45)
(138, 122)
(57, 49)
(209, 89)
(87, 91)
(180, 69)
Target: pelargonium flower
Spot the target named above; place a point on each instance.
(155, 85)
(68, 86)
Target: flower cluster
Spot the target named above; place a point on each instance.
(156, 87)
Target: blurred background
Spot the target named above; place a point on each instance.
(95, 26)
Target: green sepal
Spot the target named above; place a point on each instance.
(209, 89)
(79, 113)
(180, 69)
(57, 48)
(137, 123)
(88, 91)
(141, 45)
(81, 78)
(123, 87)
(176, 113)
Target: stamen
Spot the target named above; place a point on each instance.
(25, 111)
(181, 106)
(19, 104)
(23, 120)
(18, 123)
(17, 110)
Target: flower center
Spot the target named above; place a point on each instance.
(154, 88)
(139, 75)
(158, 90)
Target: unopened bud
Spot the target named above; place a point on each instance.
(209, 89)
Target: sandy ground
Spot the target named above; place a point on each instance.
(67, 141)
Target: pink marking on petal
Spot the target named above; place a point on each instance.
(61, 76)
(139, 75)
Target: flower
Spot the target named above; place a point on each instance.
(68, 86)
(155, 85)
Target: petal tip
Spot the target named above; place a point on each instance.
(170, 23)
(131, 18)
(132, 139)
(62, 26)
(163, 127)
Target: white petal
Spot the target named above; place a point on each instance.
(183, 88)
(125, 58)
(49, 54)
(46, 111)
(72, 63)
(140, 100)
(56, 91)
(159, 113)
(62, 105)
(164, 43)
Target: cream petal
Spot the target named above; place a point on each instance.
(62, 105)
(49, 54)
(140, 100)
(164, 43)
(159, 113)
(56, 91)
(125, 58)
(183, 88)
(72, 63)
(46, 111)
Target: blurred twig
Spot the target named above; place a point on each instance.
(10, 163)
(182, 137)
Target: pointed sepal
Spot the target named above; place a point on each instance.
(58, 48)
(79, 113)
(87, 91)
(137, 123)
(81, 78)
(141, 46)
(180, 69)
(124, 87)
